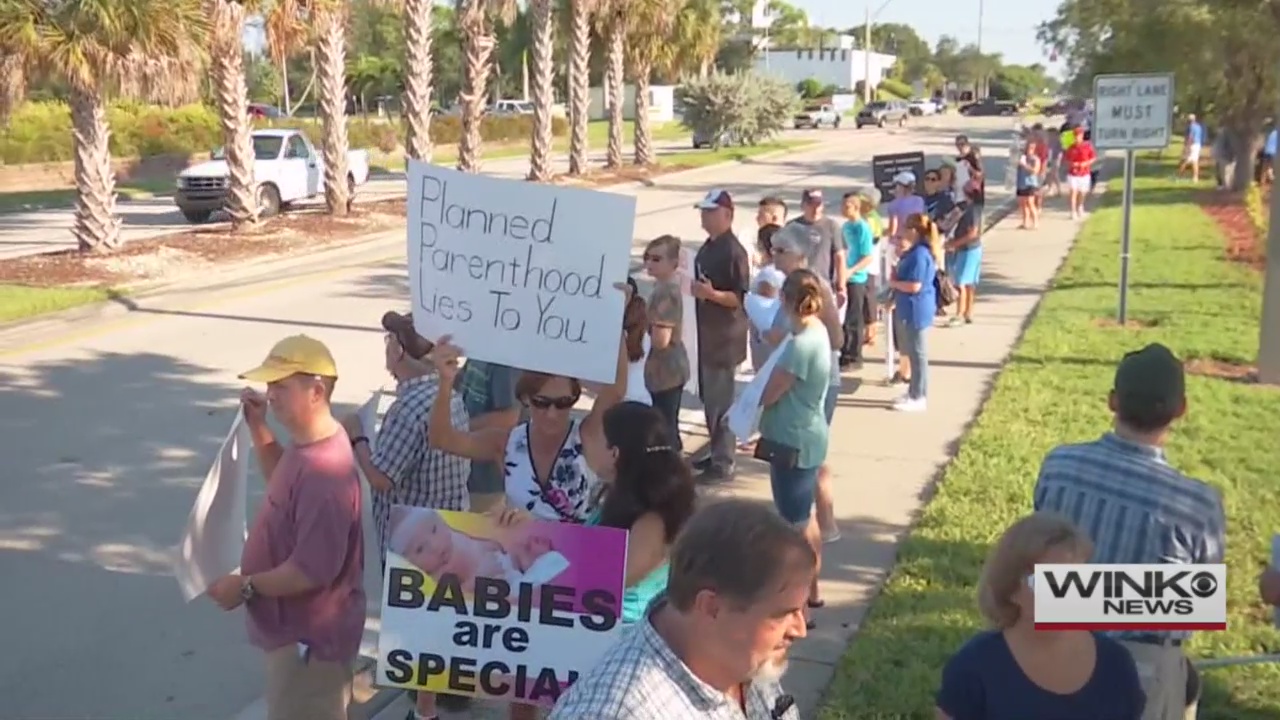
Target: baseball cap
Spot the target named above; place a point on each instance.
(400, 325)
(871, 195)
(791, 239)
(715, 199)
(905, 178)
(811, 196)
(294, 355)
(1150, 379)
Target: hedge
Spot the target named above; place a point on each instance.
(896, 88)
(41, 132)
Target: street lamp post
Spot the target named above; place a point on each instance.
(866, 50)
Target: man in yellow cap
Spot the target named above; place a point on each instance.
(302, 570)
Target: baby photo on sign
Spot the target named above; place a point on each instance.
(524, 552)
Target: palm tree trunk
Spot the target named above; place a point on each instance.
(543, 47)
(478, 49)
(614, 87)
(643, 134)
(96, 227)
(233, 111)
(417, 78)
(579, 85)
(331, 59)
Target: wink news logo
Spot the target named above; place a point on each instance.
(1139, 597)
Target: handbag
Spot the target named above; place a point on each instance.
(779, 455)
(945, 288)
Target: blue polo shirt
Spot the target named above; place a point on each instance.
(1273, 139)
(917, 265)
(858, 244)
(1195, 133)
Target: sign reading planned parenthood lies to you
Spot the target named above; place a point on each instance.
(519, 273)
(1132, 112)
(515, 612)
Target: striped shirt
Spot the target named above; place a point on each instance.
(1134, 505)
(641, 678)
(420, 476)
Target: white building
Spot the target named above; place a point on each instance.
(841, 66)
(662, 103)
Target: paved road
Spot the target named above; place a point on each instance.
(108, 430)
(28, 233)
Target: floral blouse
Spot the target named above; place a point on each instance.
(570, 491)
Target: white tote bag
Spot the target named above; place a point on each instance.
(744, 414)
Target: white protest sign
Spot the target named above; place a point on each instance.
(689, 324)
(214, 537)
(1132, 112)
(519, 273)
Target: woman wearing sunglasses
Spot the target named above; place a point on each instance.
(546, 471)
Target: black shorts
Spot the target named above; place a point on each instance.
(1028, 192)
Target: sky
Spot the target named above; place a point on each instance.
(1008, 26)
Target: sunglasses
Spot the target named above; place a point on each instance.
(543, 402)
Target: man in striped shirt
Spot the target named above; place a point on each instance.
(1139, 509)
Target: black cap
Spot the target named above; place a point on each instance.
(401, 326)
(1150, 381)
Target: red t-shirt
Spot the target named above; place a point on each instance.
(1080, 158)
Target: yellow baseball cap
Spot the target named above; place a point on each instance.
(294, 355)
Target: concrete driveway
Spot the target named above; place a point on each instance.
(108, 428)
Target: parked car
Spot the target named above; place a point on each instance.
(511, 107)
(286, 168)
(702, 138)
(988, 107)
(259, 111)
(923, 106)
(882, 112)
(816, 117)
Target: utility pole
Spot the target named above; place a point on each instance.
(1269, 334)
(866, 58)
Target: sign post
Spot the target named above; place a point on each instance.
(1131, 112)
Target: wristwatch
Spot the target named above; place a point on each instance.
(359, 439)
(247, 590)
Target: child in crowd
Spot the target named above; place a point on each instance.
(869, 209)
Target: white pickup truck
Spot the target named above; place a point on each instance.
(286, 167)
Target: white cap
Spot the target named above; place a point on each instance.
(905, 178)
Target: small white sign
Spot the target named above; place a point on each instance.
(519, 273)
(1145, 598)
(1132, 112)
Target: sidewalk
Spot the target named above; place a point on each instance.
(885, 462)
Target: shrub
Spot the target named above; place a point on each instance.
(809, 88)
(745, 106)
(41, 131)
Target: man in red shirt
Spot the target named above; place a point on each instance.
(1079, 159)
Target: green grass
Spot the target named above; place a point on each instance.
(707, 157)
(21, 302)
(27, 200)
(597, 136)
(1053, 391)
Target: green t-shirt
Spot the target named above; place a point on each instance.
(876, 222)
(797, 418)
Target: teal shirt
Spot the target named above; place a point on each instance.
(858, 244)
(636, 599)
(797, 419)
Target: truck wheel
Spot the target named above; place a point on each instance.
(836, 124)
(197, 217)
(268, 200)
(902, 120)
(351, 185)
(880, 123)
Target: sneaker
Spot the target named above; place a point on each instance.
(955, 321)
(699, 464)
(968, 321)
(910, 404)
(832, 536)
(714, 476)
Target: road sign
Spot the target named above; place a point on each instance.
(1132, 112)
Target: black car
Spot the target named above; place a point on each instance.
(989, 107)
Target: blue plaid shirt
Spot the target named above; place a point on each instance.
(1134, 505)
(640, 678)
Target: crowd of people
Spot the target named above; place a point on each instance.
(715, 595)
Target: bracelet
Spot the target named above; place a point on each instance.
(359, 439)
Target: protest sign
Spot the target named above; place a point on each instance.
(885, 167)
(515, 613)
(214, 537)
(689, 323)
(744, 414)
(519, 273)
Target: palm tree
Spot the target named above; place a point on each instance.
(543, 48)
(331, 71)
(418, 35)
(232, 95)
(612, 23)
(476, 19)
(580, 15)
(648, 43)
(287, 34)
(98, 47)
(696, 38)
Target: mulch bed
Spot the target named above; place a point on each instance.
(624, 174)
(1222, 369)
(1244, 243)
(200, 249)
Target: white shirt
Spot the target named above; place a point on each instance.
(571, 484)
(636, 390)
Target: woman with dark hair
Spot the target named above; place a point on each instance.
(965, 251)
(648, 491)
(635, 327)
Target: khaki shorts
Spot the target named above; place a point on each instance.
(1163, 672)
(310, 689)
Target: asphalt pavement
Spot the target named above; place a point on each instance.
(109, 426)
